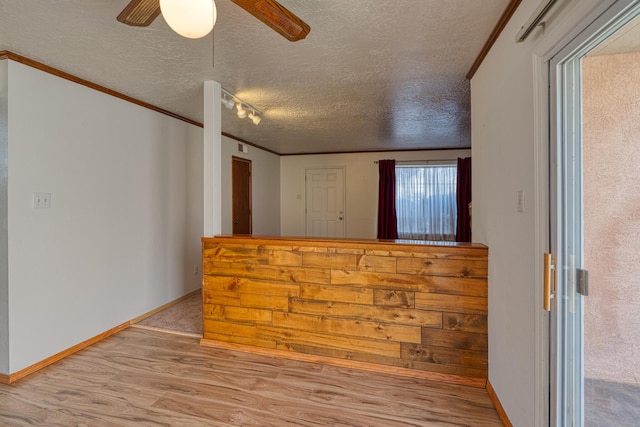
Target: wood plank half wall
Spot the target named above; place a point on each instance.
(416, 308)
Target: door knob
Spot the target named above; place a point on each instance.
(340, 218)
(235, 222)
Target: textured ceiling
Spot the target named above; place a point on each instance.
(371, 75)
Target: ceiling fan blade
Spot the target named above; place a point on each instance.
(140, 13)
(276, 16)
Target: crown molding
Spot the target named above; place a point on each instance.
(497, 30)
(75, 79)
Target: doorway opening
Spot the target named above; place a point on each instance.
(241, 195)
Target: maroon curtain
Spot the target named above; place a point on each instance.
(387, 220)
(463, 196)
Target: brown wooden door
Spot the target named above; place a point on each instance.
(241, 195)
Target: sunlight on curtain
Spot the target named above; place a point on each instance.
(426, 202)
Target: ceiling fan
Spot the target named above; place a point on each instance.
(142, 13)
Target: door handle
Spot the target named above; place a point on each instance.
(549, 270)
(340, 218)
(235, 222)
(582, 280)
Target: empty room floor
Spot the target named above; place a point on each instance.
(141, 377)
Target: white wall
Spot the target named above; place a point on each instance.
(265, 188)
(4, 288)
(505, 131)
(361, 187)
(122, 234)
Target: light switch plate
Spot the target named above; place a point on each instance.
(41, 200)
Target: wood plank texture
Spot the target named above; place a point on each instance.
(430, 319)
(446, 356)
(337, 293)
(147, 378)
(415, 306)
(355, 363)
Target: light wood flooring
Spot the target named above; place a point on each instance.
(141, 377)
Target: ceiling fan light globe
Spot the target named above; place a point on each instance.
(192, 19)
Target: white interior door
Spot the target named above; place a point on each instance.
(325, 202)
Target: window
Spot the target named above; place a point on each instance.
(426, 202)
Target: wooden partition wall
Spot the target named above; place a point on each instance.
(410, 307)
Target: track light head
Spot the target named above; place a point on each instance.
(228, 103)
(242, 113)
(256, 119)
(244, 110)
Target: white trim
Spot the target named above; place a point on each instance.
(574, 20)
(534, 20)
(541, 240)
(212, 153)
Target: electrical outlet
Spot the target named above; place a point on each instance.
(41, 200)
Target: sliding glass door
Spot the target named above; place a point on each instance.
(566, 216)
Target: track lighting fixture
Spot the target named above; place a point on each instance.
(244, 110)
(228, 102)
(255, 118)
(242, 113)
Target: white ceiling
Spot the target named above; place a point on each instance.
(371, 74)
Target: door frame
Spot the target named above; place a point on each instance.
(565, 240)
(577, 25)
(250, 195)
